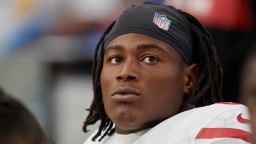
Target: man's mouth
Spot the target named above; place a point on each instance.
(125, 94)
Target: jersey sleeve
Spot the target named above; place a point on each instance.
(228, 124)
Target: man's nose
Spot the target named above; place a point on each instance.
(129, 72)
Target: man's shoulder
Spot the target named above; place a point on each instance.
(204, 124)
(211, 114)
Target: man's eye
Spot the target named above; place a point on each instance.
(151, 59)
(115, 60)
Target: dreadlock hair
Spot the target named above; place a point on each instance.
(210, 74)
(206, 91)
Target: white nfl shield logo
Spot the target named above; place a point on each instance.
(162, 21)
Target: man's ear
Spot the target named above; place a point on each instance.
(190, 77)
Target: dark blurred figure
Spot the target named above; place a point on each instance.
(17, 124)
(233, 41)
(248, 88)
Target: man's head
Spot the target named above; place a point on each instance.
(151, 64)
(17, 124)
(143, 81)
(248, 88)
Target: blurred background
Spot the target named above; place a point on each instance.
(47, 47)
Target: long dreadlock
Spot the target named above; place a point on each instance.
(206, 91)
(96, 110)
(209, 84)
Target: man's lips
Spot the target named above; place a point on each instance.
(125, 95)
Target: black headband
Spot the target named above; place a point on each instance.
(157, 21)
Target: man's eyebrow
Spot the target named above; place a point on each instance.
(114, 47)
(151, 46)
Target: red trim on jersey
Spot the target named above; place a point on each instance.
(242, 120)
(209, 133)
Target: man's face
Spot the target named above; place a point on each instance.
(142, 82)
(249, 92)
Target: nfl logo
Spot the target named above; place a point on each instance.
(162, 21)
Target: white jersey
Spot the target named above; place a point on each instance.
(221, 123)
